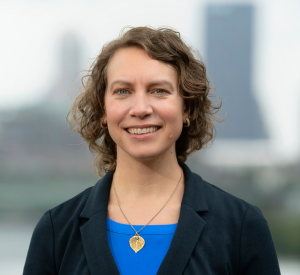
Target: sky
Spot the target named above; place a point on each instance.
(31, 30)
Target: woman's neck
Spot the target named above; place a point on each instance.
(149, 180)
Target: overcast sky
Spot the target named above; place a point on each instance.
(30, 33)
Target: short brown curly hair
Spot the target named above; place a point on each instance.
(163, 44)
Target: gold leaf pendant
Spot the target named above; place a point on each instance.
(136, 242)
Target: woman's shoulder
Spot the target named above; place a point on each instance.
(91, 201)
(73, 205)
(225, 205)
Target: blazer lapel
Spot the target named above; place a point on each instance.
(93, 231)
(189, 227)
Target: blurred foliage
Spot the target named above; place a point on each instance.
(285, 229)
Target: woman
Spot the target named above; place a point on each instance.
(145, 107)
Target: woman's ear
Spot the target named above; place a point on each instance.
(186, 112)
(103, 111)
(104, 117)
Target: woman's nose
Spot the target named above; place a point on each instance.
(140, 105)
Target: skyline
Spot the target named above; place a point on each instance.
(229, 51)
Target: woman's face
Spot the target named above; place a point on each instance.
(143, 109)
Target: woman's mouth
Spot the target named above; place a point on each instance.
(141, 131)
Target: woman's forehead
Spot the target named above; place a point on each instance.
(135, 65)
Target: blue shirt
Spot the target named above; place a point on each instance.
(146, 261)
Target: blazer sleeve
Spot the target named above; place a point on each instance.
(257, 250)
(40, 258)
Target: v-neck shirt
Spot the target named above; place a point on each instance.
(147, 260)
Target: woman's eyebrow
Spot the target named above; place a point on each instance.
(162, 82)
(119, 82)
(152, 83)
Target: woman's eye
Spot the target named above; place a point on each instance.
(122, 92)
(160, 91)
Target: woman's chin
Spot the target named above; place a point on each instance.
(147, 156)
(145, 153)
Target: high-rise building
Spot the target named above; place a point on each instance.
(229, 58)
(70, 56)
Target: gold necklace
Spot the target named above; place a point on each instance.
(137, 242)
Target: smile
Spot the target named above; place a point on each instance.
(140, 131)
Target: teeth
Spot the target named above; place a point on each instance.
(140, 131)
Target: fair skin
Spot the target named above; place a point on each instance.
(142, 93)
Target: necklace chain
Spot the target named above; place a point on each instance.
(156, 213)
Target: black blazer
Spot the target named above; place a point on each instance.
(217, 233)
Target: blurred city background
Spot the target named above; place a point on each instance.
(252, 52)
